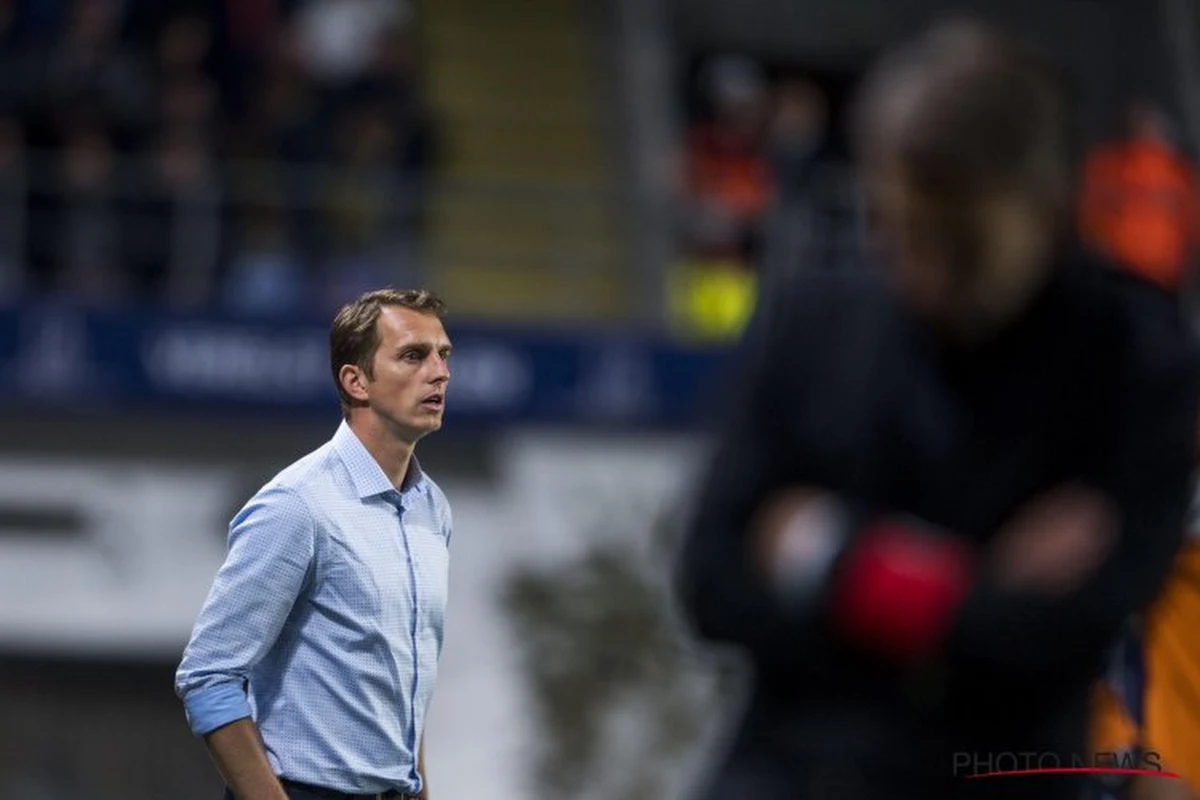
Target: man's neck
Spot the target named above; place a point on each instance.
(391, 452)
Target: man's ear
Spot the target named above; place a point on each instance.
(353, 382)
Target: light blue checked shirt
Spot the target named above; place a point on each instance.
(325, 622)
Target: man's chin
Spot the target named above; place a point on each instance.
(416, 426)
(427, 422)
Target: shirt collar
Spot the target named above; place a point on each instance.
(367, 476)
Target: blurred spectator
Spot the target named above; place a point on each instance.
(19, 59)
(189, 100)
(392, 81)
(727, 189)
(1138, 202)
(88, 247)
(796, 136)
(727, 178)
(176, 238)
(285, 125)
(369, 207)
(814, 223)
(91, 68)
(187, 93)
(184, 45)
(286, 118)
(252, 24)
(795, 142)
(266, 276)
(338, 37)
(14, 186)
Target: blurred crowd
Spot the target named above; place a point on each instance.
(763, 180)
(267, 156)
(752, 142)
(766, 187)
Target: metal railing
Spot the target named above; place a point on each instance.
(186, 230)
(180, 227)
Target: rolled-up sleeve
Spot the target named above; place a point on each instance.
(270, 554)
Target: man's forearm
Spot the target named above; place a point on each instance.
(238, 752)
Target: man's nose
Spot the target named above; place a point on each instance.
(441, 370)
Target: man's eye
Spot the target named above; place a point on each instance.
(412, 355)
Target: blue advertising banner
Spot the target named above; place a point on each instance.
(89, 361)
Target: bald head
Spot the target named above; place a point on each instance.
(964, 108)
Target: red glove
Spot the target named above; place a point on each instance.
(897, 590)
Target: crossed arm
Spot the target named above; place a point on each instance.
(1013, 633)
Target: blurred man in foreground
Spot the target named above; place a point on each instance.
(941, 494)
(312, 664)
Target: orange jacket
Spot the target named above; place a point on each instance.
(1138, 205)
(730, 171)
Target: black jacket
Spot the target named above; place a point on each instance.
(843, 389)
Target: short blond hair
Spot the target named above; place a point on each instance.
(354, 335)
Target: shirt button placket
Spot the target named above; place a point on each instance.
(411, 558)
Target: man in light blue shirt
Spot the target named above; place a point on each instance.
(313, 661)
